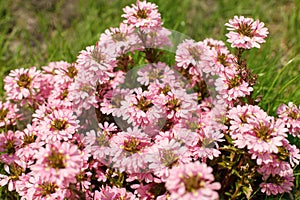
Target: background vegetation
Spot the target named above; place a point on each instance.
(35, 32)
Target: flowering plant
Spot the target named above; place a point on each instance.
(138, 116)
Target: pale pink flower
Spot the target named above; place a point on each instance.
(143, 15)
(9, 144)
(277, 183)
(231, 87)
(58, 163)
(178, 103)
(155, 38)
(14, 170)
(31, 186)
(22, 85)
(158, 72)
(192, 181)
(57, 126)
(109, 193)
(290, 114)
(123, 39)
(216, 44)
(151, 191)
(29, 146)
(256, 130)
(165, 154)
(129, 150)
(290, 151)
(111, 103)
(139, 108)
(245, 32)
(8, 114)
(193, 57)
(207, 146)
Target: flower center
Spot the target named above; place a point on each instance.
(222, 59)
(193, 183)
(144, 104)
(56, 159)
(174, 104)
(276, 179)
(165, 89)
(194, 52)
(10, 146)
(102, 140)
(157, 189)
(293, 115)
(206, 143)
(142, 14)
(234, 82)
(72, 71)
(132, 145)
(263, 132)
(118, 37)
(283, 153)
(64, 94)
(16, 171)
(24, 81)
(28, 139)
(97, 55)
(47, 188)
(245, 29)
(168, 158)
(59, 124)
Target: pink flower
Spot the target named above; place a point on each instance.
(231, 87)
(22, 85)
(151, 191)
(153, 73)
(8, 114)
(256, 130)
(192, 181)
(193, 56)
(143, 15)
(178, 103)
(59, 125)
(31, 186)
(108, 193)
(165, 154)
(9, 144)
(139, 108)
(58, 163)
(129, 149)
(290, 114)
(111, 103)
(207, 146)
(14, 170)
(278, 183)
(122, 39)
(245, 32)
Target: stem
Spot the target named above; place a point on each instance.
(239, 56)
(250, 100)
(237, 190)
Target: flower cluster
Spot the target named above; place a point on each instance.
(122, 122)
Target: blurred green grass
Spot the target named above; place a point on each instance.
(33, 33)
